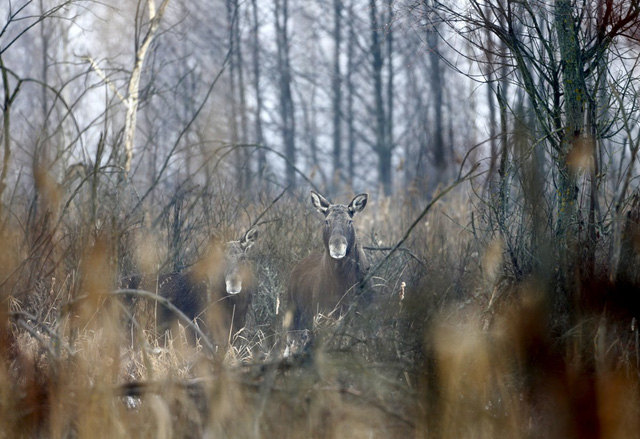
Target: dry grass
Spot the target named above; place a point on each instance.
(447, 345)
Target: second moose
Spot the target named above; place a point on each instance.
(221, 282)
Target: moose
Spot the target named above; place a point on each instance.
(321, 280)
(223, 281)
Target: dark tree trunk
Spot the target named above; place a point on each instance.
(389, 141)
(286, 98)
(437, 88)
(336, 83)
(377, 64)
(246, 173)
(431, 165)
(351, 132)
(493, 123)
(233, 67)
(574, 99)
(259, 135)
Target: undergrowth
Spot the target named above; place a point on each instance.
(449, 343)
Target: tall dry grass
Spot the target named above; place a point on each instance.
(448, 343)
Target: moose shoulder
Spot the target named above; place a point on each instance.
(320, 282)
(224, 286)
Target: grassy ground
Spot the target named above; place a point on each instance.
(450, 343)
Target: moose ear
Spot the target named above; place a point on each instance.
(358, 203)
(249, 238)
(319, 202)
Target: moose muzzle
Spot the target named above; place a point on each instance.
(337, 246)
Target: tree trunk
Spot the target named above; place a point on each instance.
(133, 88)
(377, 64)
(492, 90)
(45, 37)
(259, 135)
(384, 170)
(286, 99)
(351, 131)
(574, 98)
(336, 84)
(389, 141)
(242, 101)
(573, 86)
(437, 88)
(232, 93)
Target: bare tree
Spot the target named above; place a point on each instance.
(437, 88)
(287, 114)
(17, 33)
(10, 95)
(382, 145)
(132, 100)
(350, 90)
(259, 135)
(557, 53)
(336, 85)
(238, 100)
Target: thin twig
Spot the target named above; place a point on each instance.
(96, 68)
(255, 222)
(271, 150)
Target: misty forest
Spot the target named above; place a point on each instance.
(319, 218)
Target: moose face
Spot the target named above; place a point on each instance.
(338, 233)
(236, 265)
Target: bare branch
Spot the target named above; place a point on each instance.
(100, 72)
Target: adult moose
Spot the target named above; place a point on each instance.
(221, 282)
(321, 281)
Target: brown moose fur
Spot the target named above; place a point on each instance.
(321, 283)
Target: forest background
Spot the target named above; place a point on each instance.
(498, 141)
